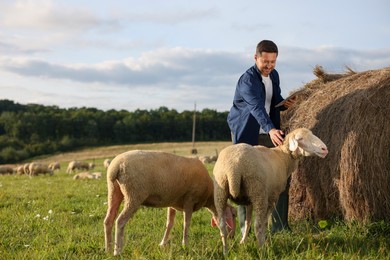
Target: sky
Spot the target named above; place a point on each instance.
(130, 55)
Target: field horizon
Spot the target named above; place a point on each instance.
(103, 152)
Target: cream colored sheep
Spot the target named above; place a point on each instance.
(205, 159)
(155, 179)
(83, 175)
(77, 165)
(25, 168)
(19, 170)
(55, 166)
(106, 163)
(97, 175)
(36, 168)
(255, 176)
(87, 175)
(213, 158)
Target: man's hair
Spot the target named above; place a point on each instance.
(266, 46)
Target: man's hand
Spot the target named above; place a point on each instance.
(290, 102)
(276, 136)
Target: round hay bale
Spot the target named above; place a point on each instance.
(351, 114)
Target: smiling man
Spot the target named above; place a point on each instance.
(254, 118)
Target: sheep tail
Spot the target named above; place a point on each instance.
(112, 173)
(234, 182)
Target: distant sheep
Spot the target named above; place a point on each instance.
(97, 175)
(106, 163)
(19, 170)
(155, 179)
(55, 166)
(26, 169)
(38, 168)
(205, 159)
(209, 158)
(87, 175)
(77, 165)
(255, 176)
(6, 170)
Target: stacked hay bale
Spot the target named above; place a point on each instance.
(351, 114)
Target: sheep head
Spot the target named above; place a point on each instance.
(304, 143)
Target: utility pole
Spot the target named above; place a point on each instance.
(194, 151)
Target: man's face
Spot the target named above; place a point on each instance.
(266, 62)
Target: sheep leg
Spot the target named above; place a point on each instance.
(260, 223)
(115, 198)
(186, 224)
(171, 213)
(220, 197)
(248, 223)
(128, 211)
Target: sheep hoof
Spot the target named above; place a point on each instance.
(162, 244)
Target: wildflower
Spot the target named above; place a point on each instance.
(322, 224)
(46, 218)
(50, 212)
(38, 215)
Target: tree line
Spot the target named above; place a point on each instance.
(31, 130)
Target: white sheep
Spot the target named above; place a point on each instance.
(19, 170)
(36, 168)
(77, 165)
(87, 175)
(97, 175)
(256, 175)
(83, 175)
(106, 163)
(155, 179)
(55, 166)
(25, 168)
(205, 159)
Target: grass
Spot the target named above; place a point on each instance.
(56, 217)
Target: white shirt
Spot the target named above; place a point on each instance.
(268, 96)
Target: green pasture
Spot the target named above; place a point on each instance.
(56, 217)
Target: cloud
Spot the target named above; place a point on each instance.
(182, 66)
(49, 16)
(170, 17)
(165, 67)
(173, 77)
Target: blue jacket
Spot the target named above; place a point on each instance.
(248, 112)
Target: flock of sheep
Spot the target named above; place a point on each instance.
(247, 175)
(31, 169)
(35, 168)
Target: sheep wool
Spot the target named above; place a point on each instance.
(155, 179)
(256, 175)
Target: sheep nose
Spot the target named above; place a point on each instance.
(324, 150)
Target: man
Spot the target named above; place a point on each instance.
(254, 118)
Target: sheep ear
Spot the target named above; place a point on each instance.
(293, 144)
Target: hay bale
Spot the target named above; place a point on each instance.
(351, 114)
